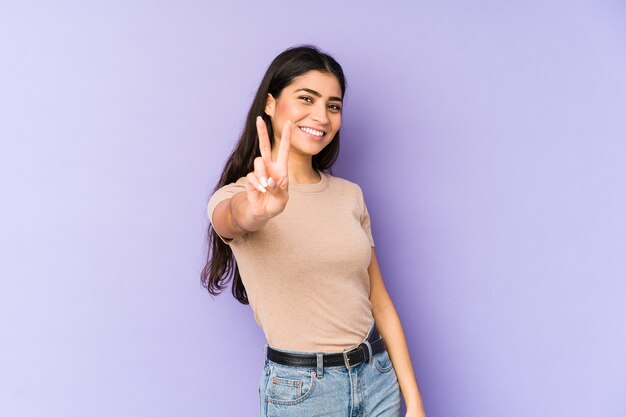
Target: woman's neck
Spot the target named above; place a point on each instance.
(300, 170)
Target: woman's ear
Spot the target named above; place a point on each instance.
(270, 104)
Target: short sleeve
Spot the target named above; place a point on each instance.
(365, 218)
(224, 193)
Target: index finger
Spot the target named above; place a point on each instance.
(285, 143)
(264, 140)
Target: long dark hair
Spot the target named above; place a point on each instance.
(220, 265)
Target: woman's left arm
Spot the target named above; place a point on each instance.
(388, 323)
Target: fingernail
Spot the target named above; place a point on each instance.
(264, 181)
(261, 188)
(270, 182)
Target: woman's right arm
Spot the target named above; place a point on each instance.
(266, 192)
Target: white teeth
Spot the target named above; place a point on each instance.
(312, 131)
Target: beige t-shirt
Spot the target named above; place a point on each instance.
(305, 271)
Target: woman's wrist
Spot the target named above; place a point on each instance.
(242, 215)
(414, 405)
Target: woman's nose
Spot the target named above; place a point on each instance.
(319, 114)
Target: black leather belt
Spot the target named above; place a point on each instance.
(349, 357)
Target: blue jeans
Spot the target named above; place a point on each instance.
(366, 390)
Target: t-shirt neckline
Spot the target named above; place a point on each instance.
(310, 188)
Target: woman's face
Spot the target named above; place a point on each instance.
(313, 103)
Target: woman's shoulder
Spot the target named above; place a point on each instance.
(239, 184)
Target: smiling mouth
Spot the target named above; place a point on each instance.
(314, 132)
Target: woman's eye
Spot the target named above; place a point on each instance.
(335, 107)
(307, 99)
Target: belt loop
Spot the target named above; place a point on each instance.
(369, 351)
(320, 365)
(265, 357)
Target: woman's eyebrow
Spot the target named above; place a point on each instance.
(315, 93)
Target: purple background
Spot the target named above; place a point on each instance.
(489, 139)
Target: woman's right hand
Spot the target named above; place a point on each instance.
(267, 187)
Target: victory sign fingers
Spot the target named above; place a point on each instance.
(264, 140)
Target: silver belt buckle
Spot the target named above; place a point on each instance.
(346, 361)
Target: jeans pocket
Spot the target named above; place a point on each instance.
(382, 362)
(290, 385)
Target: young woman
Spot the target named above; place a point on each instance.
(297, 243)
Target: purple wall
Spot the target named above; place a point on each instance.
(489, 139)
